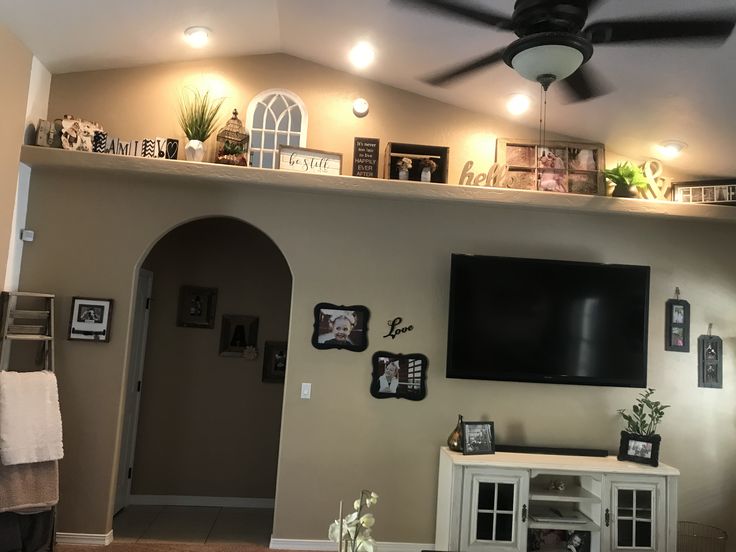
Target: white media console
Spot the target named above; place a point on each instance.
(489, 503)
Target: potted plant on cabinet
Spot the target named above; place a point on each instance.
(640, 442)
(198, 119)
(627, 177)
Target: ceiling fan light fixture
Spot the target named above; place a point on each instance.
(362, 55)
(552, 54)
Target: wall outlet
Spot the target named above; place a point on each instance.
(306, 391)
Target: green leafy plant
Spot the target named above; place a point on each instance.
(231, 148)
(645, 414)
(198, 115)
(626, 175)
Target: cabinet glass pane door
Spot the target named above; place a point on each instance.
(495, 512)
(634, 520)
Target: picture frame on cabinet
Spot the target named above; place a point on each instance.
(399, 376)
(643, 449)
(677, 326)
(479, 438)
(340, 327)
(90, 319)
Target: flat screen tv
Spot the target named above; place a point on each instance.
(533, 320)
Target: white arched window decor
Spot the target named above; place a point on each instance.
(275, 117)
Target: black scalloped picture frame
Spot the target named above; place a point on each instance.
(399, 376)
(340, 327)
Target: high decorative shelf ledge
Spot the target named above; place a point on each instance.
(209, 173)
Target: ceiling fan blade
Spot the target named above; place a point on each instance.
(442, 78)
(713, 27)
(462, 11)
(592, 4)
(585, 84)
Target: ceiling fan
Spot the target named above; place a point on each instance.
(554, 43)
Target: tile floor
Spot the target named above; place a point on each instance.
(193, 525)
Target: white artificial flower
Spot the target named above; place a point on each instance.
(356, 504)
(367, 520)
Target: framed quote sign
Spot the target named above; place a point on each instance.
(304, 160)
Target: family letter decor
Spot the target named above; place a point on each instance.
(494, 177)
(365, 157)
(305, 160)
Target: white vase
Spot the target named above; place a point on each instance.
(403, 174)
(426, 174)
(194, 150)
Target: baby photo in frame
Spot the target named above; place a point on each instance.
(677, 326)
(399, 376)
(340, 327)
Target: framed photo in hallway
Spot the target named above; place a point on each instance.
(239, 336)
(274, 361)
(340, 327)
(196, 308)
(90, 319)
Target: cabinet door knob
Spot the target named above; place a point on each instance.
(523, 513)
(608, 517)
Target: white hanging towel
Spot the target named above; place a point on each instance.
(30, 419)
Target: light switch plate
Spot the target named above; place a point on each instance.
(306, 391)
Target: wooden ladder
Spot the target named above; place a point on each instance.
(27, 317)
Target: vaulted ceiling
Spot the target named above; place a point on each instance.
(660, 92)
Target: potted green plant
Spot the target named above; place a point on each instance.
(198, 119)
(626, 177)
(640, 442)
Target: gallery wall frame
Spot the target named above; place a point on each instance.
(90, 319)
(340, 327)
(196, 307)
(399, 376)
(677, 326)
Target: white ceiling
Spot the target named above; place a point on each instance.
(661, 92)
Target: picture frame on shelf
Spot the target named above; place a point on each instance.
(90, 319)
(196, 307)
(274, 361)
(479, 438)
(710, 192)
(643, 449)
(239, 336)
(399, 376)
(340, 327)
(562, 167)
(677, 326)
(308, 161)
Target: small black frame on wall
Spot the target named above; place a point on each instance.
(710, 361)
(196, 308)
(399, 376)
(677, 326)
(340, 327)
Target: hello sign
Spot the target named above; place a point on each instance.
(495, 176)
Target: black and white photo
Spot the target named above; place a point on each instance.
(90, 319)
(710, 361)
(478, 438)
(340, 327)
(642, 449)
(196, 308)
(274, 361)
(399, 376)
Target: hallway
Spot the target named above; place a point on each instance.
(193, 525)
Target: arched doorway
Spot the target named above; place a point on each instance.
(205, 444)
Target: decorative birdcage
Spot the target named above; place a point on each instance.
(232, 143)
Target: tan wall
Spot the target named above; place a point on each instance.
(16, 67)
(392, 257)
(203, 415)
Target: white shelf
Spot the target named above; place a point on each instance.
(237, 177)
(571, 494)
(587, 526)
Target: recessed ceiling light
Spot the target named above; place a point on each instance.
(671, 148)
(197, 37)
(360, 107)
(518, 104)
(362, 55)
